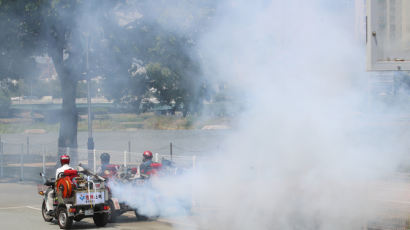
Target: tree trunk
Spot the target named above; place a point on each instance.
(66, 59)
(67, 139)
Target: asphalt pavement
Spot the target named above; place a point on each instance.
(20, 208)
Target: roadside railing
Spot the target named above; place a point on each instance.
(25, 160)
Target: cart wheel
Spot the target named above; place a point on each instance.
(46, 217)
(140, 217)
(64, 221)
(113, 214)
(100, 219)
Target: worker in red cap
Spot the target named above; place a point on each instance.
(65, 161)
(145, 166)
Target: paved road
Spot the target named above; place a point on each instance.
(20, 209)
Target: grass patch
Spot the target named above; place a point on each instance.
(21, 127)
(115, 122)
(168, 122)
(98, 124)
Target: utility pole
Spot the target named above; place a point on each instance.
(90, 141)
(170, 149)
(1, 159)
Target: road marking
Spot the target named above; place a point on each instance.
(38, 209)
(15, 207)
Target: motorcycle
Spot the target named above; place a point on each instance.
(143, 185)
(76, 194)
(119, 175)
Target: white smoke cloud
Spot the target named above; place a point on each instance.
(306, 150)
(302, 158)
(160, 196)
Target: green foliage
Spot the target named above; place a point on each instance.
(161, 62)
(82, 89)
(152, 56)
(38, 88)
(165, 82)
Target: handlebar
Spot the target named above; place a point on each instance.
(49, 183)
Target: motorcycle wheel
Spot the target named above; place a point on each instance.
(46, 217)
(113, 214)
(100, 219)
(64, 221)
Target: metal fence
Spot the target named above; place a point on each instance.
(25, 160)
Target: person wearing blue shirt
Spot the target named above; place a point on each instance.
(145, 166)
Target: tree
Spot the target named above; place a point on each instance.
(36, 28)
(164, 62)
(105, 38)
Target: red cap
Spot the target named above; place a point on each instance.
(65, 159)
(147, 154)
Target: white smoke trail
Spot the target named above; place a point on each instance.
(159, 196)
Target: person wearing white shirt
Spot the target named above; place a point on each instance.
(65, 161)
(63, 167)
